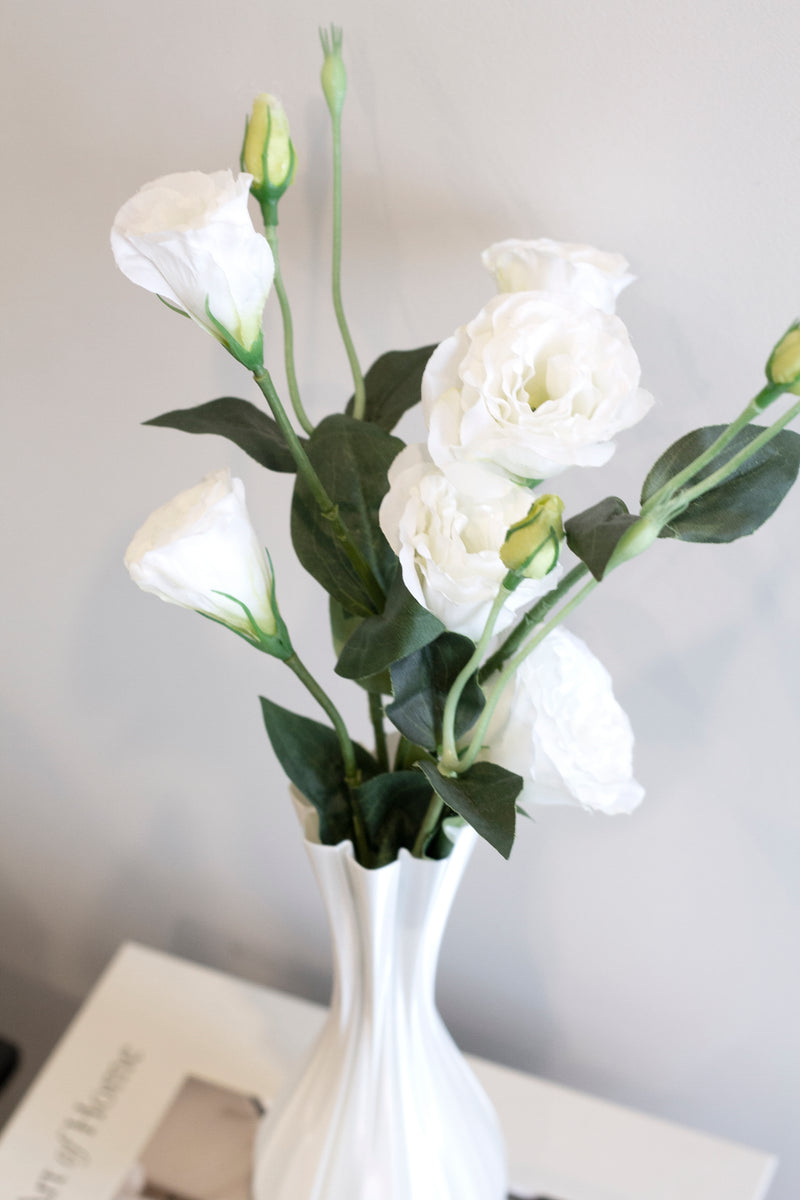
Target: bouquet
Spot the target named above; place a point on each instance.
(449, 565)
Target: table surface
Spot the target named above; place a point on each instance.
(156, 1027)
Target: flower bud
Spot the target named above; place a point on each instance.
(532, 545)
(783, 367)
(200, 551)
(268, 154)
(333, 74)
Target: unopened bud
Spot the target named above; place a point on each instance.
(268, 154)
(532, 545)
(333, 74)
(783, 367)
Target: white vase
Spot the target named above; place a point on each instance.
(385, 1107)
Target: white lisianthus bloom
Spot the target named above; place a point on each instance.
(447, 528)
(189, 238)
(534, 384)
(542, 265)
(200, 549)
(559, 726)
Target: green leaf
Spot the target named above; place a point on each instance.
(393, 385)
(343, 626)
(594, 533)
(403, 627)
(485, 796)
(394, 807)
(421, 682)
(352, 459)
(241, 422)
(742, 502)
(311, 756)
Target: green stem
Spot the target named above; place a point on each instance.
(351, 771)
(271, 232)
(429, 822)
(505, 675)
(326, 506)
(358, 379)
(711, 481)
(376, 716)
(531, 619)
(751, 410)
(449, 756)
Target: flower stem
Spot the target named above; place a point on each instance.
(351, 772)
(532, 618)
(505, 675)
(326, 506)
(448, 760)
(358, 379)
(271, 232)
(376, 716)
(751, 410)
(711, 481)
(429, 822)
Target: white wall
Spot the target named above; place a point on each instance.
(652, 959)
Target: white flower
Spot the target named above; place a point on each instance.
(543, 265)
(447, 529)
(189, 238)
(200, 549)
(534, 384)
(558, 725)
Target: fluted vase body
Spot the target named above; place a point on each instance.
(385, 1107)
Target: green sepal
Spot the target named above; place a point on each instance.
(392, 385)
(403, 627)
(311, 756)
(252, 358)
(485, 796)
(421, 683)
(242, 423)
(173, 307)
(739, 504)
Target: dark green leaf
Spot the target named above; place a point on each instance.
(743, 501)
(311, 756)
(594, 533)
(352, 459)
(485, 796)
(393, 385)
(239, 421)
(393, 807)
(403, 627)
(421, 682)
(343, 626)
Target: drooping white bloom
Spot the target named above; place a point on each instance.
(200, 549)
(534, 384)
(542, 265)
(559, 726)
(447, 528)
(189, 238)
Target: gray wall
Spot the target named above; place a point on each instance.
(651, 959)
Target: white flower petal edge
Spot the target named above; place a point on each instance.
(559, 726)
(189, 238)
(447, 529)
(542, 265)
(202, 544)
(534, 384)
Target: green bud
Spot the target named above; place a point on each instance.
(783, 367)
(532, 545)
(268, 154)
(333, 74)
